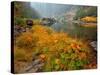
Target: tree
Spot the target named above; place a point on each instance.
(85, 11)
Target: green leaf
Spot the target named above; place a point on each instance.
(57, 67)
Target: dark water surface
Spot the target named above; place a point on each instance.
(76, 30)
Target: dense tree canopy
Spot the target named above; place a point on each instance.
(86, 11)
(23, 10)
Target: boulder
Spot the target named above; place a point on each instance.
(94, 45)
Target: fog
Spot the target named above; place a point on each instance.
(51, 10)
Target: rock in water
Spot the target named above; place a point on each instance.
(94, 45)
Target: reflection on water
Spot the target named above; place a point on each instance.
(75, 30)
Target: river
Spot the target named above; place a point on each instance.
(76, 30)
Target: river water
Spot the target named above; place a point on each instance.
(76, 30)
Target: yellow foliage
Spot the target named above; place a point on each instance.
(22, 55)
(57, 61)
(50, 46)
(26, 40)
(19, 54)
(89, 19)
(37, 22)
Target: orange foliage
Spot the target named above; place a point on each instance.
(53, 46)
(82, 55)
(89, 19)
(42, 56)
(25, 41)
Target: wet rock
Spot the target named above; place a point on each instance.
(29, 22)
(94, 45)
(35, 66)
(18, 30)
(48, 21)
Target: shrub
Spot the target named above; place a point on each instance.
(89, 19)
(26, 41)
(22, 55)
(58, 50)
(19, 54)
(19, 21)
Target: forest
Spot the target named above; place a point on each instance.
(54, 37)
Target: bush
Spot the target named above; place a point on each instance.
(89, 19)
(58, 50)
(22, 55)
(26, 41)
(19, 54)
(19, 21)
